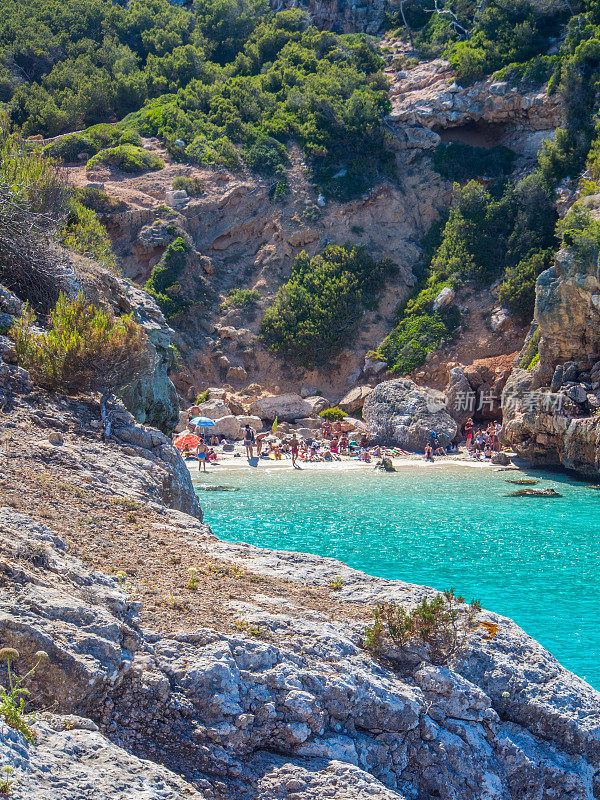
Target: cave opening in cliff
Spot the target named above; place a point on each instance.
(476, 134)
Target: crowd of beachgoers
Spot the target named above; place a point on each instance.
(333, 442)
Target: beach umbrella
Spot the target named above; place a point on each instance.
(187, 441)
(274, 428)
(204, 422)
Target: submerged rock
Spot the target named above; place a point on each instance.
(535, 493)
(522, 482)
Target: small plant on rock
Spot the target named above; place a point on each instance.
(6, 780)
(12, 697)
(441, 625)
(336, 584)
(121, 578)
(193, 581)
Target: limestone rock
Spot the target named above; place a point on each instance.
(309, 391)
(501, 459)
(310, 422)
(304, 712)
(499, 319)
(460, 396)
(374, 366)
(286, 407)
(249, 419)
(401, 412)
(71, 759)
(228, 426)
(236, 373)
(214, 409)
(317, 403)
(444, 298)
(354, 400)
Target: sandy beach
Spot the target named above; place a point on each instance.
(237, 460)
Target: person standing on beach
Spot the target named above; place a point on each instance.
(202, 453)
(294, 445)
(259, 443)
(249, 441)
(469, 432)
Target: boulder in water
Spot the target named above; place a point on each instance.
(535, 493)
(405, 414)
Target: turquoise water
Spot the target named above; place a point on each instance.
(534, 559)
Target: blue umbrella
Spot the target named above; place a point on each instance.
(204, 422)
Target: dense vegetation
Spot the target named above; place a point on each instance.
(318, 308)
(84, 349)
(462, 162)
(486, 237)
(479, 38)
(36, 210)
(163, 283)
(230, 80)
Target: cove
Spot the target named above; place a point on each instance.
(535, 560)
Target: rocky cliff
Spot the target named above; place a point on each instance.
(240, 238)
(153, 398)
(254, 681)
(551, 409)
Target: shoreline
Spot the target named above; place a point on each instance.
(229, 461)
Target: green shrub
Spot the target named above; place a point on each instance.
(517, 290)
(318, 308)
(84, 349)
(441, 625)
(529, 74)
(91, 141)
(483, 238)
(219, 152)
(85, 234)
(461, 162)
(334, 414)
(580, 232)
(266, 155)
(407, 346)
(127, 158)
(33, 205)
(99, 201)
(163, 282)
(530, 351)
(193, 186)
(241, 298)
(202, 397)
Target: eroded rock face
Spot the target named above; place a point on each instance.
(427, 99)
(153, 399)
(301, 710)
(549, 412)
(405, 414)
(89, 765)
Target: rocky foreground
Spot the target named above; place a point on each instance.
(255, 684)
